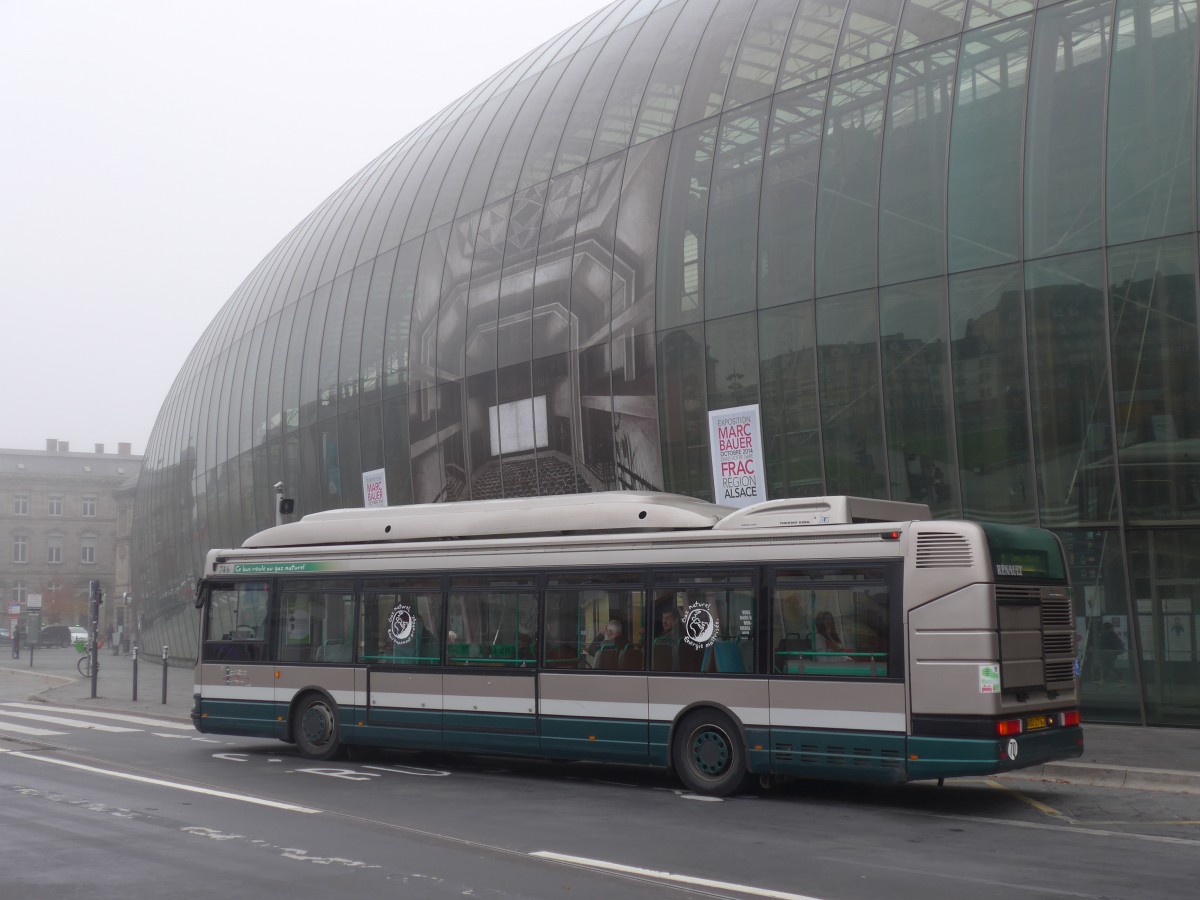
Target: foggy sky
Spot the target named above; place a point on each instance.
(152, 153)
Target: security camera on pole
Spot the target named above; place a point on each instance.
(95, 598)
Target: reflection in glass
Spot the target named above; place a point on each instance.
(1069, 390)
(869, 33)
(915, 344)
(551, 322)
(787, 353)
(985, 146)
(592, 263)
(635, 256)
(681, 231)
(731, 353)
(925, 21)
(851, 418)
(709, 73)
(683, 411)
(788, 206)
(757, 65)
(912, 193)
(814, 38)
(660, 102)
(1152, 120)
(849, 181)
(1152, 293)
(1064, 130)
(986, 325)
(637, 459)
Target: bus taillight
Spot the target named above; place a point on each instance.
(1070, 718)
(1008, 727)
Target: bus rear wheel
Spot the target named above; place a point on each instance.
(708, 754)
(315, 727)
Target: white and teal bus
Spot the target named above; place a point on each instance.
(836, 637)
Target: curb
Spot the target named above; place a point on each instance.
(1097, 775)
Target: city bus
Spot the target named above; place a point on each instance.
(821, 638)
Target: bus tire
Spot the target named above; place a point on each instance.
(315, 727)
(708, 753)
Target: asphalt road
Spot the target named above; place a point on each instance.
(103, 804)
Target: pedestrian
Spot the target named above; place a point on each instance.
(108, 635)
(16, 641)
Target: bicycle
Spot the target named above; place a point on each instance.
(85, 660)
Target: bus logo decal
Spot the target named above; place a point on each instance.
(400, 624)
(1010, 569)
(1012, 749)
(700, 626)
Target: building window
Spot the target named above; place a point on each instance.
(56, 505)
(21, 505)
(19, 591)
(20, 549)
(87, 550)
(89, 507)
(54, 547)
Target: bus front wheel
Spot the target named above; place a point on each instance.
(709, 755)
(315, 727)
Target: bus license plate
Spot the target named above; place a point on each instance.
(1034, 722)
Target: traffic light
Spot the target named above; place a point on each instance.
(97, 595)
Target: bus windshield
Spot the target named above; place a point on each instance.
(1019, 551)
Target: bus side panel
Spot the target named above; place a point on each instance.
(846, 730)
(948, 639)
(589, 716)
(490, 709)
(747, 699)
(337, 682)
(404, 708)
(236, 698)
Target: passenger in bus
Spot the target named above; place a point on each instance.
(670, 636)
(827, 637)
(606, 644)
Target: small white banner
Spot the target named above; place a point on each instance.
(375, 488)
(735, 442)
(33, 601)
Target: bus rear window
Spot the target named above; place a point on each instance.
(1019, 551)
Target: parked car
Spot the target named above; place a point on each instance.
(5, 637)
(55, 636)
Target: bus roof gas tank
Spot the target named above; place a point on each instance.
(809, 511)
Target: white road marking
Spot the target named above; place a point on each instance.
(59, 720)
(143, 779)
(604, 865)
(14, 728)
(100, 714)
(410, 770)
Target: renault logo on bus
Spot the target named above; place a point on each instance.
(1010, 569)
(1012, 749)
(400, 624)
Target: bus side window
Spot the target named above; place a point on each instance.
(236, 622)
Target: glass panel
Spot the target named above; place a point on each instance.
(453, 457)
(539, 161)
(483, 299)
(452, 306)
(704, 627)
(915, 333)
(621, 108)
(555, 421)
(869, 34)
(516, 142)
(681, 230)
(592, 263)
(788, 206)
(1064, 131)
(636, 250)
(731, 348)
(985, 147)
(1165, 569)
(819, 628)
(401, 622)
(349, 461)
(396, 450)
(758, 57)
(331, 343)
(636, 447)
(465, 152)
(426, 461)
(580, 130)
(1069, 387)
(483, 463)
(851, 418)
(706, 81)
(237, 622)
(661, 99)
(513, 333)
(912, 193)
(1152, 120)
(551, 322)
(316, 622)
(683, 412)
(375, 327)
(596, 627)
(353, 336)
(787, 350)
(732, 233)
(399, 320)
(849, 181)
(493, 628)
(990, 401)
(595, 449)
(1155, 372)
(484, 163)
(809, 54)
(422, 335)
(985, 11)
(925, 21)
(515, 445)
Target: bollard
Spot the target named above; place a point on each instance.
(164, 665)
(135, 651)
(32, 644)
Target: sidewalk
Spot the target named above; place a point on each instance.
(1116, 756)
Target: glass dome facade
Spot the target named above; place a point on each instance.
(948, 246)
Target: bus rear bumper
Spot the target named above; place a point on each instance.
(949, 757)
